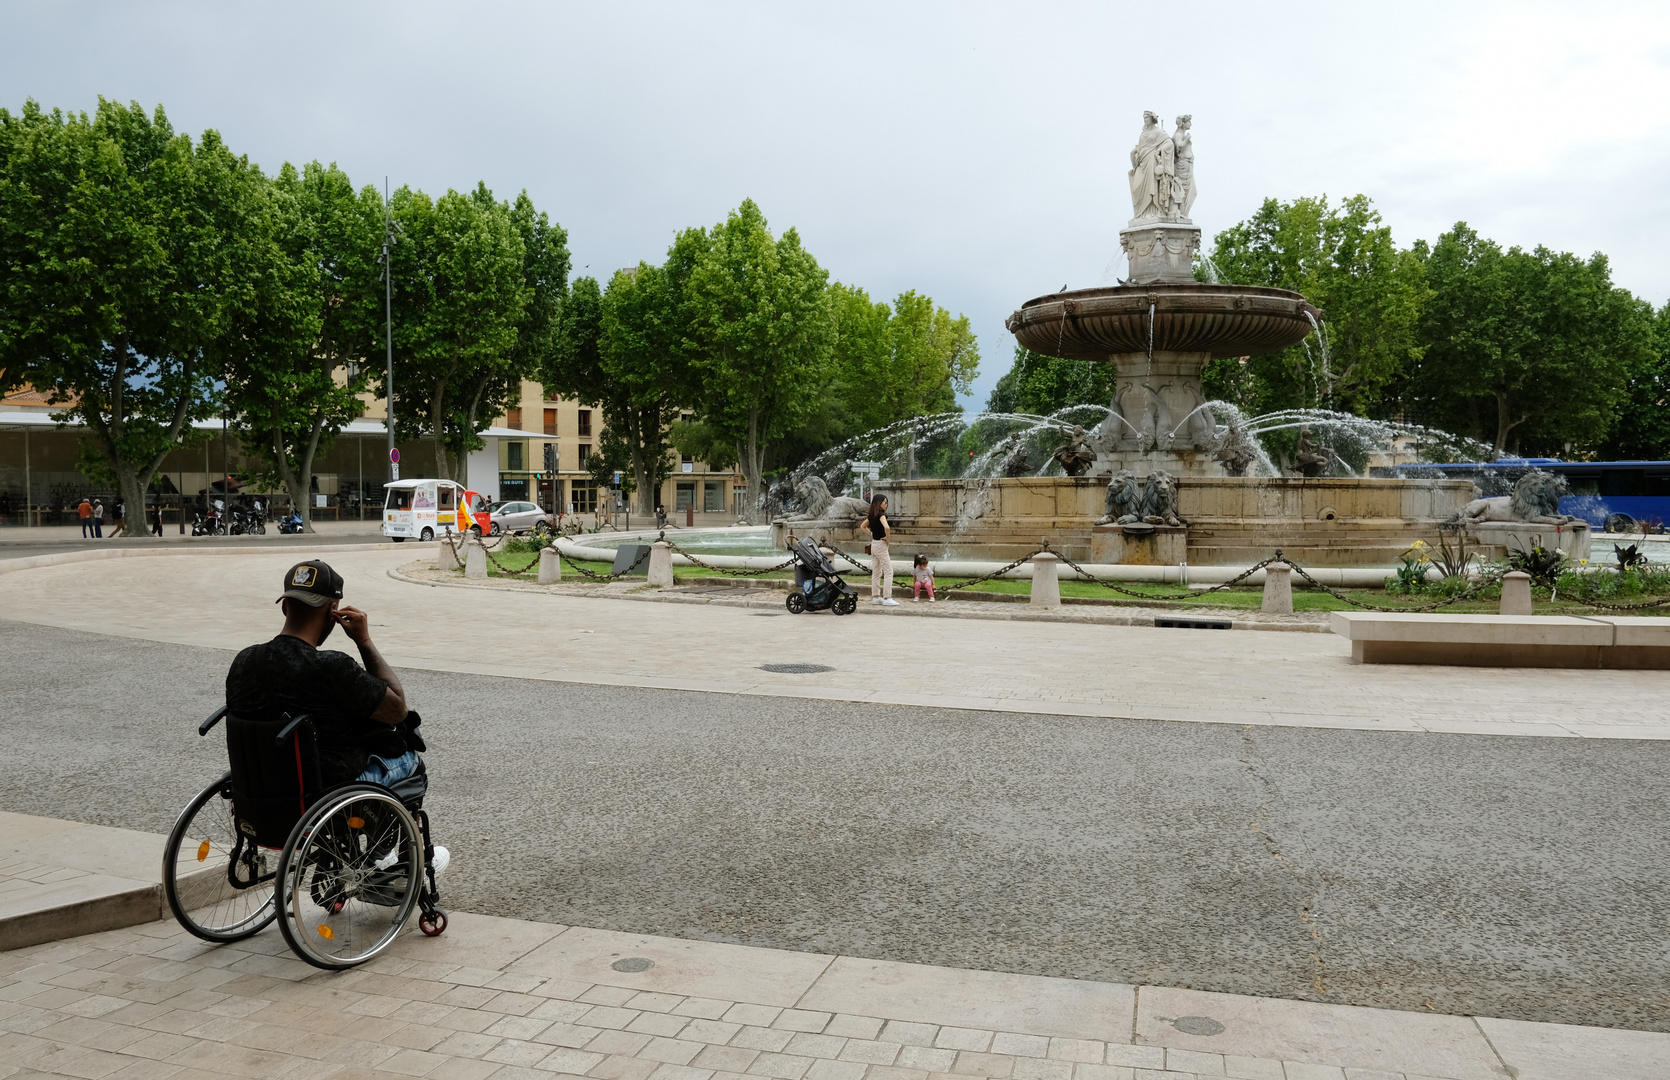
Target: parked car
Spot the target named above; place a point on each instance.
(516, 517)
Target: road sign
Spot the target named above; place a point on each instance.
(871, 469)
(394, 471)
(394, 455)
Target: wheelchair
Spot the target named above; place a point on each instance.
(341, 869)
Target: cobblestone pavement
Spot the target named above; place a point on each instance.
(508, 1000)
(1525, 878)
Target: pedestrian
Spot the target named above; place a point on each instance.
(121, 520)
(924, 575)
(5, 506)
(85, 512)
(881, 565)
(98, 520)
(660, 516)
(156, 521)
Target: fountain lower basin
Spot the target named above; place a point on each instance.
(1232, 520)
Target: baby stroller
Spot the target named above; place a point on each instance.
(816, 584)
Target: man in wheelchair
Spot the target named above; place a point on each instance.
(363, 728)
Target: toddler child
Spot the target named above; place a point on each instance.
(924, 580)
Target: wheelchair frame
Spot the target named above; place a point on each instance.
(353, 845)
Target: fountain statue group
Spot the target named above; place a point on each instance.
(1162, 172)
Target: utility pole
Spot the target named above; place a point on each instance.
(389, 228)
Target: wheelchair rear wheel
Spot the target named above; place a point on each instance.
(350, 876)
(219, 884)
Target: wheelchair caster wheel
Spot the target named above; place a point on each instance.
(432, 923)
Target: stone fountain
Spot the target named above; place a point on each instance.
(1159, 481)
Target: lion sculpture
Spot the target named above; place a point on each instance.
(1124, 500)
(1154, 503)
(817, 504)
(1535, 498)
(1159, 500)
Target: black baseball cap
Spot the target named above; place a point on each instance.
(312, 582)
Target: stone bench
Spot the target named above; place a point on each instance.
(1554, 641)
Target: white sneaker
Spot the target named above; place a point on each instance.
(889, 603)
(443, 859)
(877, 600)
(916, 599)
(930, 599)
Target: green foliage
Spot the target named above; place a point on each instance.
(1544, 565)
(316, 312)
(1525, 350)
(123, 274)
(759, 330)
(1344, 261)
(892, 363)
(1643, 409)
(1041, 384)
(460, 296)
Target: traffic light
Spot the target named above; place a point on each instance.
(550, 457)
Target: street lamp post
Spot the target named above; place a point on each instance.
(389, 229)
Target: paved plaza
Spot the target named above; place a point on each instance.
(1299, 680)
(960, 795)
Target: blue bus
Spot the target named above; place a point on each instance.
(1612, 496)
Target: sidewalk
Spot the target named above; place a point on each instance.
(516, 1000)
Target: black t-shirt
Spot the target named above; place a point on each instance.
(287, 675)
(877, 530)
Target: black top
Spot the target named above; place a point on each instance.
(878, 530)
(287, 675)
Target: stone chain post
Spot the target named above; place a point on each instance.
(550, 566)
(1278, 589)
(1516, 593)
(661, 564)
(475, 559)
(1046, 580)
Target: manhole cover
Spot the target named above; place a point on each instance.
(796, 669)
(1197, 1025)
(640, 963)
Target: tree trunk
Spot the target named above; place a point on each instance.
(752, 466)
(1503, 424)
(643, 460)
(132, 480)
(442, 469)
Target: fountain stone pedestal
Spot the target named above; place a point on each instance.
(1139, 544)
(1495, 539)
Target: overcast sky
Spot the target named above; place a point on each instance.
(973, 152)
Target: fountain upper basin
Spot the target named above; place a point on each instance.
(1220, 320)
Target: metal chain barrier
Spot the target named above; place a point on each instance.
(1485, 582)
(1190, 595)
(1624, 607)
(727, 571)
(604, 578)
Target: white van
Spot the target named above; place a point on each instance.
(427, 508)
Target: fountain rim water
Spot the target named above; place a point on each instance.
(1197, 319)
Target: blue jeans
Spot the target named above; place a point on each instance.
(385, 771)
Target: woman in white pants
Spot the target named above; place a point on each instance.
(881, 565)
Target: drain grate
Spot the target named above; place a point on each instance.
(633, 963)
(1192, 624)
(796, 669)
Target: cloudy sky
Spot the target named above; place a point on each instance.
(975, 152)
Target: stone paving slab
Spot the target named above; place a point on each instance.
(509, 1000)
(1132, 672)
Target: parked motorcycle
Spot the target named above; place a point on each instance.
(207, 524)
(291, 523)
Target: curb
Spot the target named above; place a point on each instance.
(31, 562)
(113, 911)
(923, 613)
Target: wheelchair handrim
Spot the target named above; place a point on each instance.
(339, 908)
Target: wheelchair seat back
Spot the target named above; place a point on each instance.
(272, 783)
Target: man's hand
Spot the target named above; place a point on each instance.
(355, 623)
